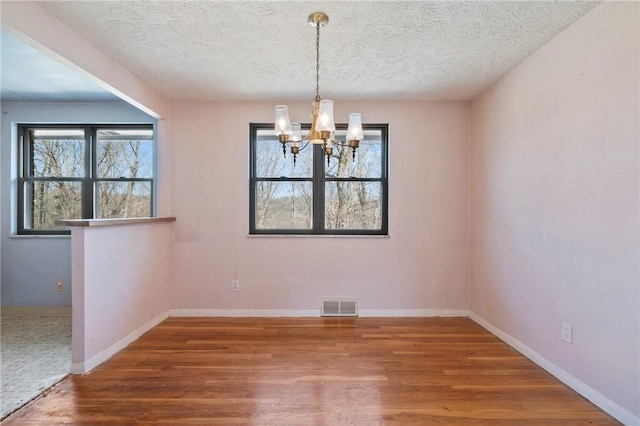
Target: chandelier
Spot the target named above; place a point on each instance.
(322, 131)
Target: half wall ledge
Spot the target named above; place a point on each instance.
(113, 222)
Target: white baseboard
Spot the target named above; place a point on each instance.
(607, 405)
(102, 356)
(46, 311)
(244, 312)
(315, 312)
(413, 313)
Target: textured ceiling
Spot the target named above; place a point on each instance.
(264, 50)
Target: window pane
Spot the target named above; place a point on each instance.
(368, 161)
(353, 205)
(271, 163)
(125, 153)
(283, 205)
(56, 153)
(48, 201)
(123, 199)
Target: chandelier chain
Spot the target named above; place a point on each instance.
(318, 62)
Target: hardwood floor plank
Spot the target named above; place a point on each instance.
(314, 371)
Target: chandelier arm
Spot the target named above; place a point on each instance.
(303, 147)
(341, 143)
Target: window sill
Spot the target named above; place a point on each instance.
(46, 237)
(388, 236)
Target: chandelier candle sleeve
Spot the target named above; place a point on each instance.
(295, 139)
(296, 136)
(325, 119)
(283, 124)
(354, 131)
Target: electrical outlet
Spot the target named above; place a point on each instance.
(567, 333)
(60, 286)
(235, 285)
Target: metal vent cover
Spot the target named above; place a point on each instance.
(339, 308)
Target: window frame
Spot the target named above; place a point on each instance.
(88, 182)
(319, 180)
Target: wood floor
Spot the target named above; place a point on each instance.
(314, 371)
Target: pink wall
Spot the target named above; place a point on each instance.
(554, 202)
(120, 284)
(422, 266)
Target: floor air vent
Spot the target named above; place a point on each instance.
(339, 308)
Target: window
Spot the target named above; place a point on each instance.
(83, 172)
(346, 196)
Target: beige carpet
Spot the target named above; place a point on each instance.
(35, 354)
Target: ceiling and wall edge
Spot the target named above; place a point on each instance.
(31, 24)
